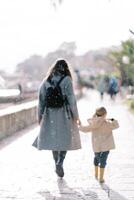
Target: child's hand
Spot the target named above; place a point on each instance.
(80, 127)
(84, 129)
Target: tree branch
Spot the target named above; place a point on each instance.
(131, 31)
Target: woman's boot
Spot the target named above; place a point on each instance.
(59, 164)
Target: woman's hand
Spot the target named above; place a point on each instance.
(40, 121)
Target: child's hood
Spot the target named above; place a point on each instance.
(96, 122)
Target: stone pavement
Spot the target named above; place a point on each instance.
(26, 173)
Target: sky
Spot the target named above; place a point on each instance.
(29, 27)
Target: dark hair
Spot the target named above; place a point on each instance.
(61, 67)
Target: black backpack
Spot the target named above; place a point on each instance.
(54, 97)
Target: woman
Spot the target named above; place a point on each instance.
(58, 126)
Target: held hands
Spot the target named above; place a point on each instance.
(82, 128)
(78, 122)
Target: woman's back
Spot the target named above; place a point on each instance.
(59, 130)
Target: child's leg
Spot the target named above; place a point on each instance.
(103, 162)
(96, 163)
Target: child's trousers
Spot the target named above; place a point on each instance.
(100, 159)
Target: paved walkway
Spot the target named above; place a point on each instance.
(26, 173)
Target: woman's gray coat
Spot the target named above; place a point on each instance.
(58, 127)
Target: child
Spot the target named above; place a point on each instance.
(102, 139)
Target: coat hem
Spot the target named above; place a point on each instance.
(54, 149)
(104, 150)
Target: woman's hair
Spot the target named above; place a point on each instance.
(100, 112)
(61, 67)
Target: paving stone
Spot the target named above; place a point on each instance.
(29, 174)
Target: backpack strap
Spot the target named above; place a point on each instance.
(58, 83)
(60, 80)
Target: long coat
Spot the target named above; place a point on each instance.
(102, 136)
(58, 127)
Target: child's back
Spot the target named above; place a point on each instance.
(102, 137)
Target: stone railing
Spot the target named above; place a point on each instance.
(16, 118)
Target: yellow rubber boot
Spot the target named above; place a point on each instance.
(96, 172)
(101, 178)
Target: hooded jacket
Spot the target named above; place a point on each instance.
(102, 136)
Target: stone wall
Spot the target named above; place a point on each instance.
(17, 117)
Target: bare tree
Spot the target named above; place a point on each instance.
(131, 31)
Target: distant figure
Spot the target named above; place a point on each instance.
(58, 115)
(102, 87)
(102, 139)
(20, 88)
(113, 87)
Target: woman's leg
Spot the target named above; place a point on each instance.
(62, 155)
(59, 164)
(55, 156)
